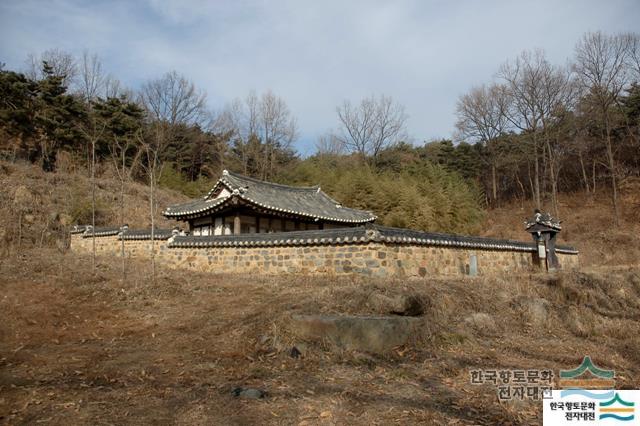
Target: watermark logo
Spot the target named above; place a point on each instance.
(587, 376)
(624, 411)
(594, 407)
(588, 396)
(516, 384)
(583, 395)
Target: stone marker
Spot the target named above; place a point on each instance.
(370, 334)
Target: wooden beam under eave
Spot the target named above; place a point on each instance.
(237, 224)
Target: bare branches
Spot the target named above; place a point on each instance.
(482, 113)
(263, 128)
(374, 124)
(91, 82)
(62, 64)
(174, 99)
(601, 65)
(329, 144)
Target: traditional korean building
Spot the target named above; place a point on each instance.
(242, 205)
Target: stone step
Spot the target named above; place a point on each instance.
(376, 334)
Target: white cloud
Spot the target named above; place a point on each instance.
(313, 54)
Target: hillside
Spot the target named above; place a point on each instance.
(39, 207)
(48, 203)
(587, 224)
(78, 348)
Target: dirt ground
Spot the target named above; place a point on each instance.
(82, 349)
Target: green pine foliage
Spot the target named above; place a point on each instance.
(423, 196)
(171, 178)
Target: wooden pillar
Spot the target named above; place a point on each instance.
(257, 224)
(236, 224)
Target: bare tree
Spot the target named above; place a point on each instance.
(376, 123)
(601, 64)
(118, 150)
(62, 63)
(482, 119)
(113, 87)
(525, 82)
(91, 81)
(329, 144)
(633, 55)
(277, 129)
(555, 100)
(170, 101)
(174, 100)
(261, 127)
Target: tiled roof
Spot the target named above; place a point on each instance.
(542, 221)
(357, 235)
(145, 234)
(129, 234)
(100, 232)
(308, 202)
(79, 229)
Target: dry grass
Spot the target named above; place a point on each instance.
(49, 203)
(587, 224)
(82, 349)
(77, 349)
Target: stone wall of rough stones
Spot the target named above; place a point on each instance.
(370, 258)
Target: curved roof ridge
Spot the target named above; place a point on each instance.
(280, 185)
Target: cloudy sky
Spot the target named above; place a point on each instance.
(314, 54)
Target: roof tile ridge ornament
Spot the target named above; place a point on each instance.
(174, 233)
(372, 233)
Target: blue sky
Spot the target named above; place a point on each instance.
(314, 54)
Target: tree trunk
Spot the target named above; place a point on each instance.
(593, 176)
(531, 185)
(19, 229)
(536, 171)
(93, 206)
(122, 177)
(153, 223)
(584, 173)
(552, 179)
(521, 186)
(612, 169)
(494, 185)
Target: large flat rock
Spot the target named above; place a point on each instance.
(371, 334)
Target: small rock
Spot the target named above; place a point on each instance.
(482, 323)
(29, 218)
(409, 305)
(249, 393)
(537, 311)
(376, 334)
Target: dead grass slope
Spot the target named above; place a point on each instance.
(79, 349)
(47, 204)
(587, 224)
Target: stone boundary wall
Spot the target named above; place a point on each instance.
(372, 256)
